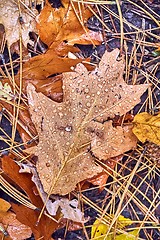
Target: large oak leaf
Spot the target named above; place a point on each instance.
(69, 131)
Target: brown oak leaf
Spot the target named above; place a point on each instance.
(69, 131)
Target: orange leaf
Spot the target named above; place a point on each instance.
(29, 217)
(22, 180)
(25, 215)
(67, 24)
(4, 205)
(11, 225)
(102, 177)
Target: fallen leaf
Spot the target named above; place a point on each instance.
(66, 131)
(68, 208)
(26, 215)
(42, 66)
(147, 127)
(4, 205)
(10, 225)
(110, 142)
(63, 25)
(45, 227)
(11, 19)
(101, 178)
(99, 230)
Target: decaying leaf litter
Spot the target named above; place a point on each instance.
(130, 164)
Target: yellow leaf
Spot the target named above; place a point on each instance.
(99, 229)
(147, 127)
(132, 235)
(6, 91)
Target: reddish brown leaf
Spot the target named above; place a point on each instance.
(11, 225)
(29, 217)
(25, 215)
(102, 177)
(23, 180)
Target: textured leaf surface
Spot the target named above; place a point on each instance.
(67, 131)
(24, 214)
(9, 17)
(147, 127)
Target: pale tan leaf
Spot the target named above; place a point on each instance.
(111, 141)
(10, 18)
(65, 129)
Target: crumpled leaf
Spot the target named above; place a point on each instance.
(63, 24)
(6, 91)
(147, 127)
(11, 225)
(10, 18)
(69, 209)
(99, 229)
(66, 130)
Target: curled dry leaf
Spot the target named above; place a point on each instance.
(66, 132)
(13, 227)
(147, 127)
(11, 19)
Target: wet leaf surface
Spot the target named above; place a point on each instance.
(66, 135)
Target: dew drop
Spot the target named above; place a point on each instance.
(62, 133)
(88, 104)
(86, 90)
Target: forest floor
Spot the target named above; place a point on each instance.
(139, 200)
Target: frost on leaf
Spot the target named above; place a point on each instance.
(69, 131)
(13, 20)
